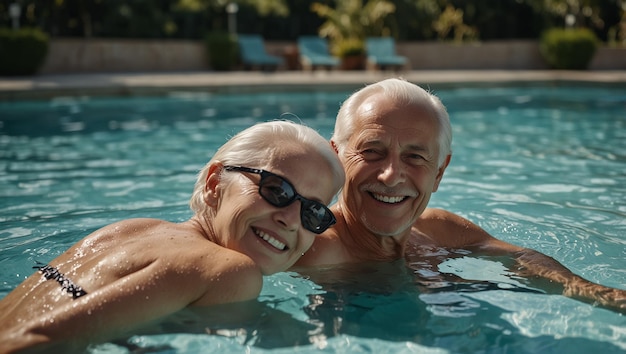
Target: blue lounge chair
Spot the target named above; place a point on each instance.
(314, 53)
(253, 54)
(381, 53)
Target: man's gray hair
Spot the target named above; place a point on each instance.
(403, 93)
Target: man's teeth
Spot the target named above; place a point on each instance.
(386, 199)
(272, 241)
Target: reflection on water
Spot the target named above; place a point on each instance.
(378, 306)
(539, 166)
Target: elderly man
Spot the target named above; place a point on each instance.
(394, 141)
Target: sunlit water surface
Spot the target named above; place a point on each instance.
(541, 166)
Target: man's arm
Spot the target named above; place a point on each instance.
(445, 229)
(534, 263)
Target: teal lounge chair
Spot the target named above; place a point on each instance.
(314, 53)
(381, 53)
(253, 54)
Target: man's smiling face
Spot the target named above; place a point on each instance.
(391, 165)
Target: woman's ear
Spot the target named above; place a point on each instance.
(212, 184)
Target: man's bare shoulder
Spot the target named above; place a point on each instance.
(443, 228)
(326, 249)
(440, 214)
(434, 222)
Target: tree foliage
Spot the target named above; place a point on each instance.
(288, 19)
(450, 21)
(351, 19)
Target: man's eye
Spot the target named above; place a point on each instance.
(370, 153)
(415, 159)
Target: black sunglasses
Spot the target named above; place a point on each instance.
(279, 192)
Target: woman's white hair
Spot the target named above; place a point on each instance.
(402, 93)
(253, 148)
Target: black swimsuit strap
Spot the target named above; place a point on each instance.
(50, 272)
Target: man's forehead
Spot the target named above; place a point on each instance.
(378, 131)
(380, 120)
(410, 137)
(396, 120)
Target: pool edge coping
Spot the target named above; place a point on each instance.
(133, 84)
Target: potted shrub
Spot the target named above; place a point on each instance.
(348, 23)
(222, 51)
(351, 51)
(568, 48)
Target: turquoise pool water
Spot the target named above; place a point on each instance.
(539, 165)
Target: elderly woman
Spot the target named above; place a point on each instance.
(258, 207)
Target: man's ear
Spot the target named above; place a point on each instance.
(211, 186)
(334, 146)
(442, 169)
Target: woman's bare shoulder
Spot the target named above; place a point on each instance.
(227, 276)
(126, 228)
(135, 225)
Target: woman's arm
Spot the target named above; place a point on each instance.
(147, 294)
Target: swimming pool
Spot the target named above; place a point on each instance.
(540, 165)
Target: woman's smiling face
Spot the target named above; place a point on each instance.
(271, 236)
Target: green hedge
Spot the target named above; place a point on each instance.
(569, 49)
(22, 51)
(223, 51)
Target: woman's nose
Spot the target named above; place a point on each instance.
(289, 216)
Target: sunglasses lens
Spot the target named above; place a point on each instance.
(280, 193)
(277, 191)
(315, 216)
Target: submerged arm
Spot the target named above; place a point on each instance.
(536, 264)
(445, 229)
(574, 286)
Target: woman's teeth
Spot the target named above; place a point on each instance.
(272, 241)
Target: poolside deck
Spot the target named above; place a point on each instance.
(43, 86)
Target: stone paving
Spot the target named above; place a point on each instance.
(45, 86)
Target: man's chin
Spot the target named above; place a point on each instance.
(388, 228)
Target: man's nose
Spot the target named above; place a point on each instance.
(392, 172)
